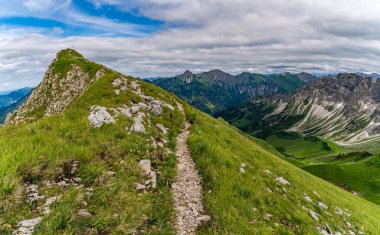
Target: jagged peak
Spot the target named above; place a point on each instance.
(187, 76)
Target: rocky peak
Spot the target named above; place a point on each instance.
(66, 79)
(306, 77)
(186, 77)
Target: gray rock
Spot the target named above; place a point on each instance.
(168, 106)
(138, 123)
(283, 181)
(125, 111)
(157, 110)
(153, 178)
(134, 85)
(162, 128)
(30, 222)
(111, 173)
(145, 165)
(99, 115)
(118, 82)
(83, 213)
(313, 215)
(140, 187)
(322, 206)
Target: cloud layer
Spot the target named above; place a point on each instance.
(233, 35)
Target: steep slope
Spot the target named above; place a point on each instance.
(216, 90)
(252, 191)
(105, 164)
(67, 77)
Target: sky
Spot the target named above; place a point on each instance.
(166, 37)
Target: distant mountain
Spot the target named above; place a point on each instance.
(344, 108)
(10, 108)
(216, 90)
(13, 96)
(371, 75)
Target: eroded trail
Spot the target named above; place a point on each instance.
(187, 188)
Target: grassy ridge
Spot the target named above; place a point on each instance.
(254, 202)
(39, 151)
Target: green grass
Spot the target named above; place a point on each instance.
(235, 199)
(302, 147)
(356, 172)
(34, 152)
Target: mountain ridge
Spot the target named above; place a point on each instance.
(216, 90)
(105, 164)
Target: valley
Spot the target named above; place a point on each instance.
(318, 126)
(326, 120)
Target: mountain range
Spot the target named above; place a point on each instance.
(330, 128)
(9, 101)
(13, 96)
(93, 151)
(216, 90)
(342, 108)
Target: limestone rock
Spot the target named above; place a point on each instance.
(138, 123)
(99, 115)
(283, 181)
(162, 128)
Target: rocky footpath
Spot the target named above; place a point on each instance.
(187, 189)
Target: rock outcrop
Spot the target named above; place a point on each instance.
(60, 85)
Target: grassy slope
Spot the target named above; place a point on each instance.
(307, 152)
(38, 151)
(235, 199)
(359, 175)
(292, 144)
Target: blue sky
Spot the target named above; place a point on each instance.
(165, 37)
(80, 18)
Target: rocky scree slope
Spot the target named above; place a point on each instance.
(216, 90)
(343, 108)
(67, 77)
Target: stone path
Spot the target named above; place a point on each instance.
(187, 188)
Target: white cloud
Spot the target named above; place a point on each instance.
(58, 30)
(233, 35)
(38, 5)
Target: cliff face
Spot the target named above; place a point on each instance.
(58, 87)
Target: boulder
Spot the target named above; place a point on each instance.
(138, 123)
(99, 115)
(156, 109)
(145, 165)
